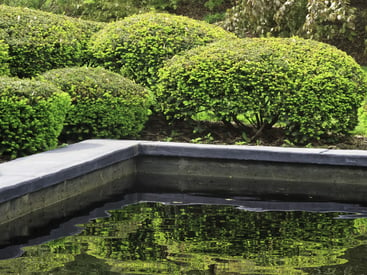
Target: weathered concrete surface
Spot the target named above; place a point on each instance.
(356, 158)
(113, 179)
(35, 172)
(252, 178)
(39, 180)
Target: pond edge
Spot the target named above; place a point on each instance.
(36, 172)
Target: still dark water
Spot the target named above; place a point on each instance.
(181, 235)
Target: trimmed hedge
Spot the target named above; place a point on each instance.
(32, 114)
(39, 41)
(104, 104)
(4, 58)
(310, 88)
(137, 45)
(361, 128)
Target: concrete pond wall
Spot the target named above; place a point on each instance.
(108, 167)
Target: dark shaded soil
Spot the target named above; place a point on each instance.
(158, 129)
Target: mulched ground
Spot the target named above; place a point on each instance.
(157, 128)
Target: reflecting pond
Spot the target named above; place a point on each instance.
(229, 236)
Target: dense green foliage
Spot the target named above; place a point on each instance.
(32, 114)
(361, 128)
(39, 41)
(317, 19)
(153, 238)
(112, 10)
(104, 104)
(137, 45)
(96, 10)
(4, 58)
(310, 88)
(338, 22)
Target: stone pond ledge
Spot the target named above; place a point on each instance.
(96, 162)
(256, 153)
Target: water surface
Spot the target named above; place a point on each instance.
(183, 234)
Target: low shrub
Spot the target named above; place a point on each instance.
(32, 114)
(137, 45)
(361, 128)
(310, 88)
(4, 58)
(39, 41)
(104, 104)
(113, 10)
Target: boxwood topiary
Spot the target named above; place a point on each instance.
(104, 104)
(137, 45)
(32, 114)
(4, 58)
(39, 41)
(310, 88)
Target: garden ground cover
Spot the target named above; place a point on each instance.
(158, 129)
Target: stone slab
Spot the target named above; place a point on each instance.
(356, 158)
(38, 171)
(35, 172)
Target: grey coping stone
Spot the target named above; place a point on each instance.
(257, 153)
(32, 173)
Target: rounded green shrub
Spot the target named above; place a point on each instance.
(311, 89)
(361, 128)
(39, 41)
(137, 45)
(4, 58)
(104, 104)
(32, 115)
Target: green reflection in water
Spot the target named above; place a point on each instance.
(153, 238)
